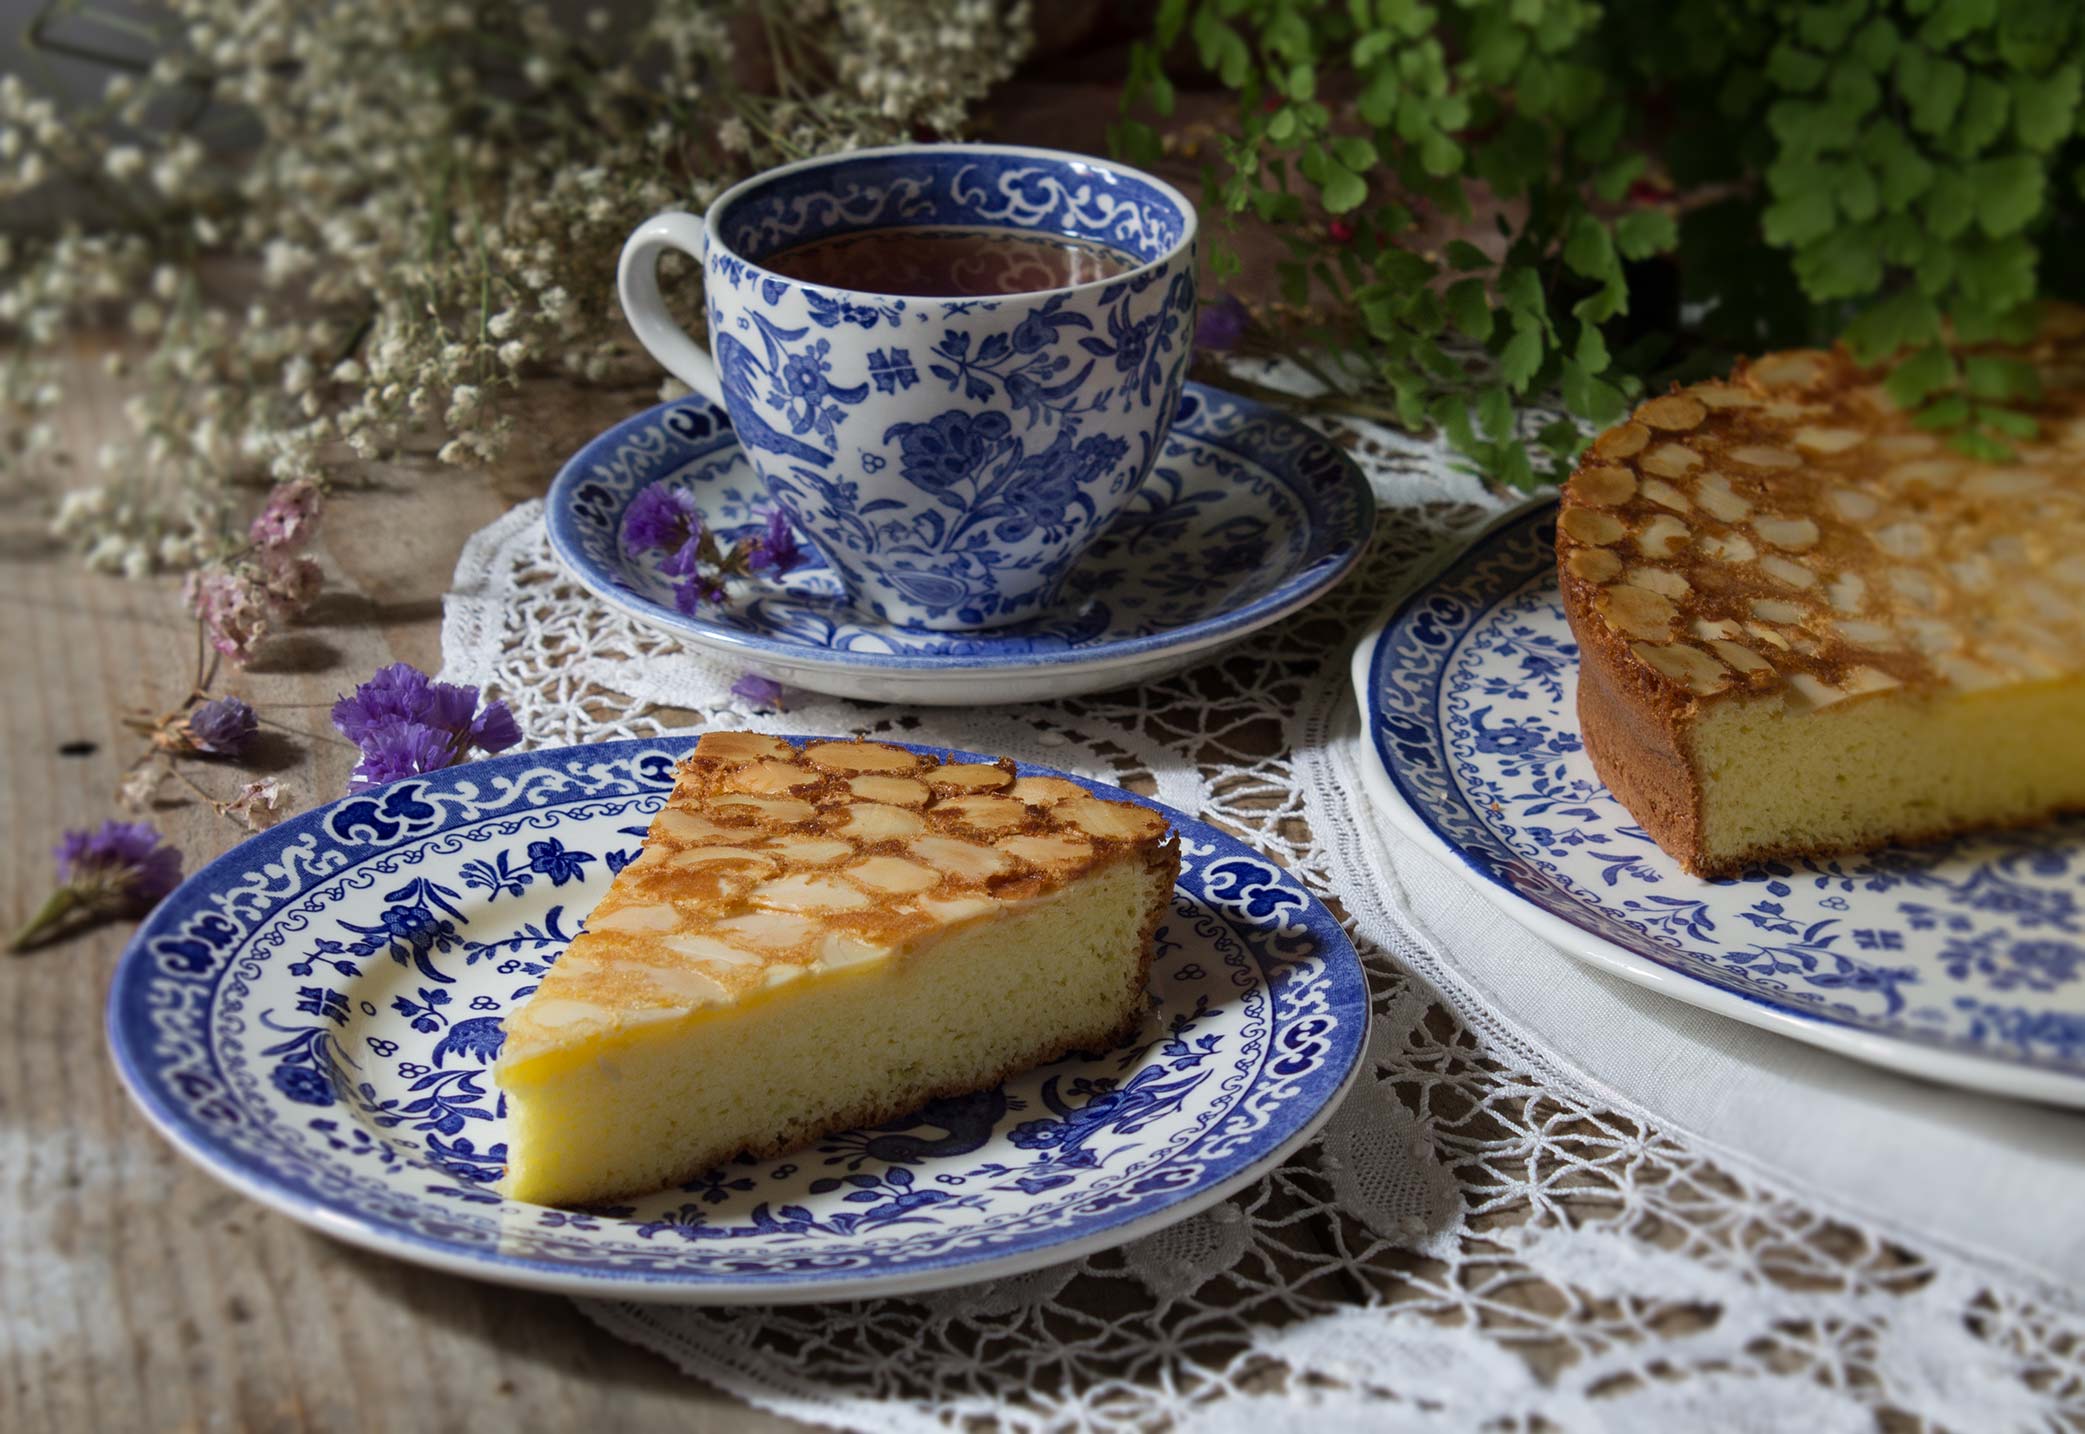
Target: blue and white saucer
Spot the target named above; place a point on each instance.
(313, 1019)
(1247, 516)
(1962, 962)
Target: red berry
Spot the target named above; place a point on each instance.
(1341, 231)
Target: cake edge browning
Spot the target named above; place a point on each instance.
(1162, 866)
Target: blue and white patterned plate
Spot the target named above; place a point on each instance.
(1962, 962)
(313, 1018)
(1246, 517)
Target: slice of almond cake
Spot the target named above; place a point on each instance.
(822, 937)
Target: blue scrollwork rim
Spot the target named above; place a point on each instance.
(203, 935)
(1330, 491)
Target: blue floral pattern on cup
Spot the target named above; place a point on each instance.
(315, 1017)
(952, 458)
(1974, 947)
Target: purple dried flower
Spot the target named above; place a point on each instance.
(761, 691)
(776, 552)
(697, 590)
(405, 723)
(661, 517)
(120, 869)
(222, 727)
(1221, 324)
(289, 519)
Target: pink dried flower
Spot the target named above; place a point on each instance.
(289, 582)
(234, 611)
(289, 519)
(259, 805)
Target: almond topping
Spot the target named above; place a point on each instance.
(703, 855)
(1755, 455)
(948, 910)
(1743, 658)
(1622, 441)
(1637, 612)
(1728, 547)
(1852, 504)
(1675, 412)
(1665, 495)
(1046, 791)
(1719, 500)
(779, 810)
(892, 874)
(1590, 525)
(1670, 460)
(768, 778)
(1119, 820)
(678, 825)
(770, 930)
(861, 757)
(1796, 369)
(741, 746)
(1663, 537)
(1795, 535)
(1690, 667)
(805, 892)
(697, 947)
(898, 791)
(971, 777)
(1778, 610)
(1787, 570)
(811, 850)
(648, 916)
(873, 821)
(1662, 581)
(1594, 565)
(983, 812)
(962, 859)
(1604, 486)
(1827, 440)
(1049, 852)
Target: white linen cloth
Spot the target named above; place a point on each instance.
(1553, 1197)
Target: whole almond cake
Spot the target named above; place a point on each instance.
(1807, 625)
(821, 937)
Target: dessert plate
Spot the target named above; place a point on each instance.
(1246, 517)
(314, 1016)
(1962, 962)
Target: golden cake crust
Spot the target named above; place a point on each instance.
(1790, 535)
(771, 861)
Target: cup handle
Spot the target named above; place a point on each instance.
(637, 279)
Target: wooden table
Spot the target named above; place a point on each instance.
(136, 1292)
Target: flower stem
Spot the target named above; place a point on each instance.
(62, 905)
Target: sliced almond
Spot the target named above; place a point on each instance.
(986, 813)
(1675, 412)
(874, 821)
(1717, 628)
(948, 910)
(768, 778)
(1727, 547)
(1810, 691)
(1724, 395)
(1905, 445)
(1590, 525)
(892, 875)
(964, 860)
(1658, 491)
(1045, 791)
(1862, 633)
(1690, 667)
(1741, 657)
(1852, 504)
(768, 930)
(1594, 565)
(1052, 853)
(1662, 537)
(1926, 474)
(861, 757)
(704, 855)
(1848, 592)
(741, 746)
(898, 791)
(1778, 610)
(697, 946)
(1622, 441)
(682, 985)
(1119, 821)
(971, 777)
(1787, 570)
(1794, 535)
(1770, 636)
(1827, 440)
(803, 891)
(684, 826)
(1637, 612)
(1603, 485)
(1905, 539)
(1670, 460)
(801, 850)
(1719, 500)
(1662, 581)
(634, 919)
(776, 810)
(1759, 455)
(1797, 368)
(558, 1013)
(843, 948)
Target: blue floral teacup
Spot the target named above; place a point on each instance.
(951, 457)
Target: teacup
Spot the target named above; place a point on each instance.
(951, 456)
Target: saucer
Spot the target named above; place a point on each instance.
(1247, 516)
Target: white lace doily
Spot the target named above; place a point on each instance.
(1479, 1239)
